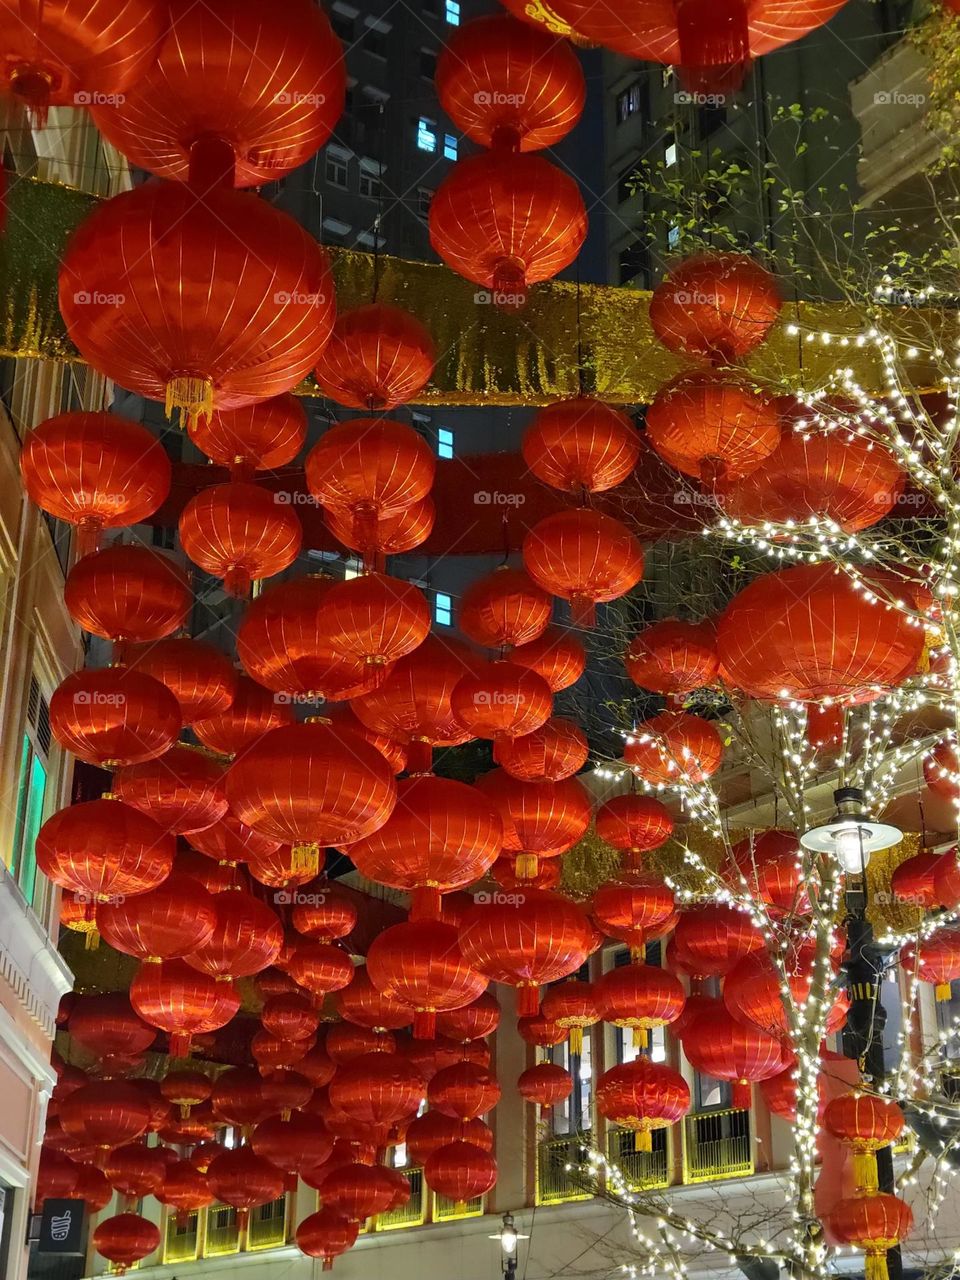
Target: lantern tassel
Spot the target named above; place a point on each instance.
(526, 866)
(576, 1040)
(875, 1265)
(328, 1264)
(191, 397)
(942, 991)
(184, 1110)
(424, 1024)
(305, 859)
(528, 1002)
(714, 37)
(865, 1173)
(427, 903)
(32, 85)
(640, 1038)
(583, 612)
(237, 582)
(180, 1042)
(642, 1140)
(742, 1096)
(91, 941)
(509, 285)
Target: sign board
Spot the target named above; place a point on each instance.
(61, 1227)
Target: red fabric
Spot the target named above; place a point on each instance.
(104, 849)
(176, 917)
(632, 907)
(238, 532)
(181, 1001)
(473, 1021)
(128, 593)
(673, 657)
(378, 357)
(182, 789)
(581, 444)
(709, 940)
(126, 1238)
(460, 1171)
(639, 995)
(320, 967)
(114, 717)
(326, 1234)
(262, 436)
(200, 677)
(504, 608)
(413, 703)
(718, 306)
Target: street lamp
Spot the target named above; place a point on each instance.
(851, 835)
(509, 1238)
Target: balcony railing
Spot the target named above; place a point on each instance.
(411, 1214)
(717, 1145)
(215, 1232)
(555, 1184)
(643, 1170)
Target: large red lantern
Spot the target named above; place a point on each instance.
(186, 1089)
(673, 657)
(125, 1239)
(135, 266)
(433, 1130)
(875, 1224)
(253, 712)
(359, 1191)
(717, 306)
(540, 819)
(292, 1145)
(378, 357)
(556, 655)
(311, 785)
(96, 471)
(105, 1114)
(246, 938)
(135, 1170)
(185, 1190)
(286, 1091)
(377, 1089)
(711, 427)
(244, 1180)
(500, 700)
(182, 1002)
(807, 633)
(114, 716)
(182, 790)
(581, 445)
(240, 533)
(420, 963)
(70, 54)
(106, 1025)
(527, 943)
(634, 823)
(257, 437)
(238, 1097)
(375, 620)
(633, 908)
(465, 1091)
(320, 967)
(128, 593)
(504, 608)
(507, 85)
(200, 677)
(584, 557)
(176, 917)
(770, 865)
(643, 1096)
(104, 849)
(674, 747)
(709, 940)
(460, 1171)
(56, 1176)
(865, 1123)
(557, 750)
(719, 1046)
(638, 996)
(326, 1234)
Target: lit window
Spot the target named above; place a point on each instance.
(31, 792)
(426, 134)
(449, 147)
(673, 237)
(631, 101)
(444, 442)
(443, 609)
(670, 155)
(351, 569)
(451, 11)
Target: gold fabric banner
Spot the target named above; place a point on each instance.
(485, 356)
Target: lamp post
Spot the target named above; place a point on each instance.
(509, 1238)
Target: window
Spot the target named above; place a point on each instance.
(424, 196)
(631, 101)
(335, 169)
(451, 12)
(449, 147)
(370, 175)
(31, 791)
(342, 25)
(443, 609)
(428, 63)
(375, 42)
(426, 134)
(673, 236)
(351, 569)
(670, 155)
(444, 442)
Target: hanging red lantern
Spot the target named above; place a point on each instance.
(246, 938)
(199, 96)
(253, 712)
(441, 835)
(95, 471)
(375, 620)
(500, 700)
(231, 841)
(573, 1006)
(935, 959)
(135, 1171)
(584, 557)
(320, 967)
(769, 864)
(460, 1171)
(390, 536)
(638, 996)
(201, 1156)
(808, 633)
(643, 1096)
(674, 747)
(68, 54)
(105, 1114)
(581, 445)
(310, 785)
(473, 1021)
(557, 750)
(199, 677)
(128, 593)
(362, 1004)
(865, 1123)
(378, 357)
(719, 1046)
(286, 1091)
(504, 872)
(104, 849)
(875, 1224)
(633, 908)
(946, 880)
(538, 1030)
(941, 769)
(243, 1179)
(420, 963)
(718, 306)
(506, 221)
(114, 716)
(133, 268)
(358, 1191)
(257, 437)
(464, 1091)
(56, 1177)
(289, 1016)
(186, 1089)
(540, 819)
(126, 1239)
(345, 1041)
(326, 1234)
(433, 1130)
(107, 1026)
(269, 1052)
(556, 655)
(509, 86)
(238, 1097)
(185, 1190)
(317, 1066)
(377, 1089)
(182, 1002)
(673, 658)
(240, 533)
(709, 940)
(176, 917)
(504, 608)
(545, 1085)
(341, 715)
(182, 790)
(331, 916)
(528, 943)
(634, 823)
(292, 1145)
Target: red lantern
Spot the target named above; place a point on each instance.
(326, 1235)
(464, 1091)
(865, 1123)
(186, 1089)
(375, 620)
(872, 1223)
(557, 655)
(719, 1046)
(391, 535)
(420, 963)
(95, 471)
(269, 1052)
(231, 841)
(504, 608)
(199, 677)
(244, 1180)
(582, 444)
(128, 593)
(56, 1177)
(268, 303)
(358, 1191)
(507, 85)
(769, 864)
(182, 790)
(203, 1154)
(712, 428)
(185, 1190)
(107, 1026)
(717, 306)
(946, 880)
(114, 717)
(540, 819)
(633, 909)
(68, 54)
(573, 1006)
(473, 1021)
(557, 750)
(135, 1171)
(105, 1114)
(528, 943)
(253, 713)
(504, 872)
(674, 747)
(246, 938)
(238, 1097)
(643, 1096)
(506, 222)
(311, 785)
(256, 437)
(331, 916)
(433, 1130)
(342, 716)
(182, 1002)
(673, 657)
(320, 967)
(501, 701)
(200, 96)
(125, 1239)
(362, 1004)
(941, 770)
(240, 533)
(377, 1089)
(378, 357)
(460, 1171)
(317, 1066)
(441, 835)
(585, 557)
(634, 823)
(709, 940)
(538, 1030)
(808, 633)
(289, 1016)
(104, 849)
(639, 996)
(345, 1041)
(936, 959)
(176, 917)
(286, 1091)
(545, 1085)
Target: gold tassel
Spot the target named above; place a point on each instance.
(92, 941)
(189, 396)
(305, 858)
(875, 1265)
(942, 991)
(576, 1040)
(640, 1038)
(642, 1140)
(865, 1173)
(526, 866)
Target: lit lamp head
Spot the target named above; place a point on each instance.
(851, 835)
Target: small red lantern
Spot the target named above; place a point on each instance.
(465, 1091)
(719, 1046)
(709, 940)
(243, 1179)
(103, 849)
(504, 608)
(378, 357)
(246, 938)
(866, 1123)
(253, 712)
(135, 1171)
(257, 437)
(377, 1089)
(500, 701)
(182, 789)
(581, 446)
(584, 557)
(673, 657)
(540, 819)
(320, 967)
(420, 963)
(331, 916)
(941, 769)
(105, 1114)
(936, 959)
(185, 1189)
(545, 1085)
(474, 1021)
(125, 1239)
(718, 306)
(634, 823)
(240, 533)
(460, 1171)
(643, 1096)
(326, 1235)
(639, 996)
(556, 655)
(557, 750)
(290, 1016)
(358, 1191)
(114, 717)
(176, 917)
(633, 909)
(182, 1002)
(674, 747)
(200, 677)
(128, 593)
(375, 620)
(875, 1224)
(186, 1089)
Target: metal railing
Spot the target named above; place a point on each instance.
(411, 1214)
(222, 1233)
(267, 1226)
(556, 1184)
(643, 1170)
(717, 1145)
(447, 1210)
(181, 1243)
